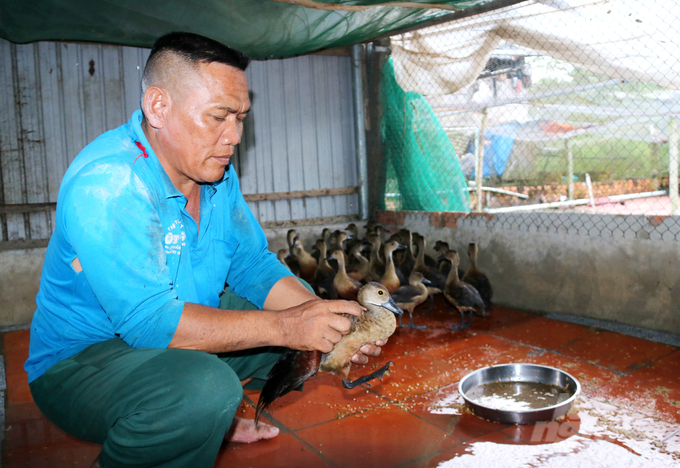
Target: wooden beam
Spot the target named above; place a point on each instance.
(309, 221)
(256, 197)
(23, 244)
(28, 207)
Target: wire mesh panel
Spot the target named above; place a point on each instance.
(558, 106)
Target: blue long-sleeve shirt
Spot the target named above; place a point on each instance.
(141, 252)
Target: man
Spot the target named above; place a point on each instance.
(128, 346)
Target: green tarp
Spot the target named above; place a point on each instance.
(260, 28)
(419, 152)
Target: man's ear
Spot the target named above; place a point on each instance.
(156, 103)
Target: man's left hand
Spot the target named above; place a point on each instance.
(372, 350)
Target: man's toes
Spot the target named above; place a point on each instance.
(268, 432)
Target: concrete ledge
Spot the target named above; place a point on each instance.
(618, 268)
(20, 276)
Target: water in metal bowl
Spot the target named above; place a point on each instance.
(519, 393)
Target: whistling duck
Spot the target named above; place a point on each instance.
(443, 265)
(292, 261)
(410, 296)
(336, 240)
(390, 279)
(282, 255)
(477, 278)
(435, 277)
(462, 296)
(352, 240)
(345, 287)
(427, 260)
(363, 265)
(295, 367)
(305, 260)
(324, 275)
(377, 267)
(408, 261)
(325, 234)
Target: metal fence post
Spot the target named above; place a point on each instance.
(479, 163)
(673, 165)
(570, 172)
(360, 130)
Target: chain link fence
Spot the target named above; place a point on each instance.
(544, 106)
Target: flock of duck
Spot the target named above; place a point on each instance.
(338, 267)
(391, 280)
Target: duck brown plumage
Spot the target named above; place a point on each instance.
(410, 296)
(345, 287)
(295, 367)
(362, 268)
(389, 278)
(324, 275)
(462, 296)
(474, 276)
(305, 260)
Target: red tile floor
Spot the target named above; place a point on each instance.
(628, 412)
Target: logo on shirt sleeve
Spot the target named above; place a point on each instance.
(175, 238)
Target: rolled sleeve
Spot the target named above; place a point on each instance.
(114, 227)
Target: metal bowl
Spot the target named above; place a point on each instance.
(520, 373)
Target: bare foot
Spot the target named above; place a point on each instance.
(245, 431)
(95, 464)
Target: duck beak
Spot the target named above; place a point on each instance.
(392, 307)
(401, 247)
(426, 281)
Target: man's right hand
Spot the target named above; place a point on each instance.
(317, 325)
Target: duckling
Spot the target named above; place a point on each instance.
(353, 230)
(436, 278)
(443, 265)
(336, 241)
(408, 261)
(295, 367)
(292, 261)
(350, 242)
(410, 296)
(477, 278)
(363, 265)
(427, 260)
(390, 279)
(282, 255)
(463, 297)
(324, 275)
(345, 287)
(370, 227)
(305, 260)
(377, 267)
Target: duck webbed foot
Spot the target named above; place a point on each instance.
(431, 299)
(413, 325)
(462, 325)
(361, 380)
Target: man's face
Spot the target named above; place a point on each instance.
(204, 123)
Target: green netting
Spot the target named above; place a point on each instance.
(419, 156)
(264, 28)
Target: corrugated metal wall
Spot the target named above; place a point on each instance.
(57, 97)
(299, 136)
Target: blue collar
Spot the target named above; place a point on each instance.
(149, 154)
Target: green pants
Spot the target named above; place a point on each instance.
(151, 407)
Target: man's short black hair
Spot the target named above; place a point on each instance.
(197, 48)
(191, 49)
